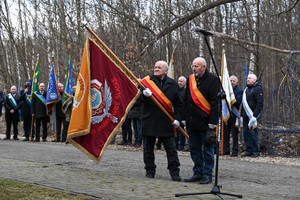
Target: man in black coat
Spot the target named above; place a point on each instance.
(2, 100)
(26, 111)
(60, 116)
(252, 107)
(156, 123)
(231, 123)
(180, 139)
(39, 111)
(201, 118)
(12, 106)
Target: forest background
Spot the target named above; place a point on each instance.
(263, 35)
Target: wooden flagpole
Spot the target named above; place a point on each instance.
(136, 80)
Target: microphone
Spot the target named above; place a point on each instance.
(200, 30)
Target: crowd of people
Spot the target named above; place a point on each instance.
(21, 106)
(193, 104)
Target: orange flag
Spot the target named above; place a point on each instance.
(103, 98)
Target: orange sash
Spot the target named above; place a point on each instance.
(197, 96)
(167, 104)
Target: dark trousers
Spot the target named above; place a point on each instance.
(180, 140)
(40, 121)
(58, 125)
(65, 131)
(127, 131)
(235, 139)
(27, 125)
(172, 156)
(11, 119)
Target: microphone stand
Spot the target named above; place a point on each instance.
(221, 95)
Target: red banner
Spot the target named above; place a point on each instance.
(112, 94)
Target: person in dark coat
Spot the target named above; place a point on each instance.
(135, 115)
(2, 100)
(201, 103)
(26, 111)
(180, 139)
(156, 123)
(12, 106)
(60, 116)
(231, 123)
(39, 111)
(252, 107)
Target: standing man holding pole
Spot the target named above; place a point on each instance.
(201, 118)
(156, 123)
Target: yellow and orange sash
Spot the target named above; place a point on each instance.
(167, 104)
(197, 96)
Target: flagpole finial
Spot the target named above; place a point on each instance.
(223, 45)
(38, 56)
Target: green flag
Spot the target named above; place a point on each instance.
(35, 79)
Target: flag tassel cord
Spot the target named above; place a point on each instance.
(136, 80)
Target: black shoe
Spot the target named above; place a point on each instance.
(6, 138)
(226, 153)
(234, 154)
(44, 140)
(36, 140)
(193, 179)
(122, 143)
(15, 138)
(205, 180)
(67, 142)
(246, 154)
(149, 175)
(254, 155)
(176, 178)
(26, 139)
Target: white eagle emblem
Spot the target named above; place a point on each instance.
(101, 103)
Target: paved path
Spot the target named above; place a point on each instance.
(120, 174)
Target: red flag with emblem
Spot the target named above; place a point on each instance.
(103, 98)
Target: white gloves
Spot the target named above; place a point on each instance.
(212, 126)
(147, 92)
(252, 122)
(176, 123)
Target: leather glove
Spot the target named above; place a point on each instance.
(210, 136)
(147, 92)
(176, 123)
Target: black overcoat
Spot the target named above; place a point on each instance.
(8, 106)
(154, 121)
(38, 108)
(196, 118)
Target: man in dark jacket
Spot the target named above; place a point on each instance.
(39, 111)
(135, 115)
(12, 106)
(26, 111)
(2, 100)
(231, 123)
(156, 123)
(180, 139)
(252, 107)
(60, 116)
(201, 118)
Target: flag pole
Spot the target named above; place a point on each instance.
(55, 125)
(136, 80)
